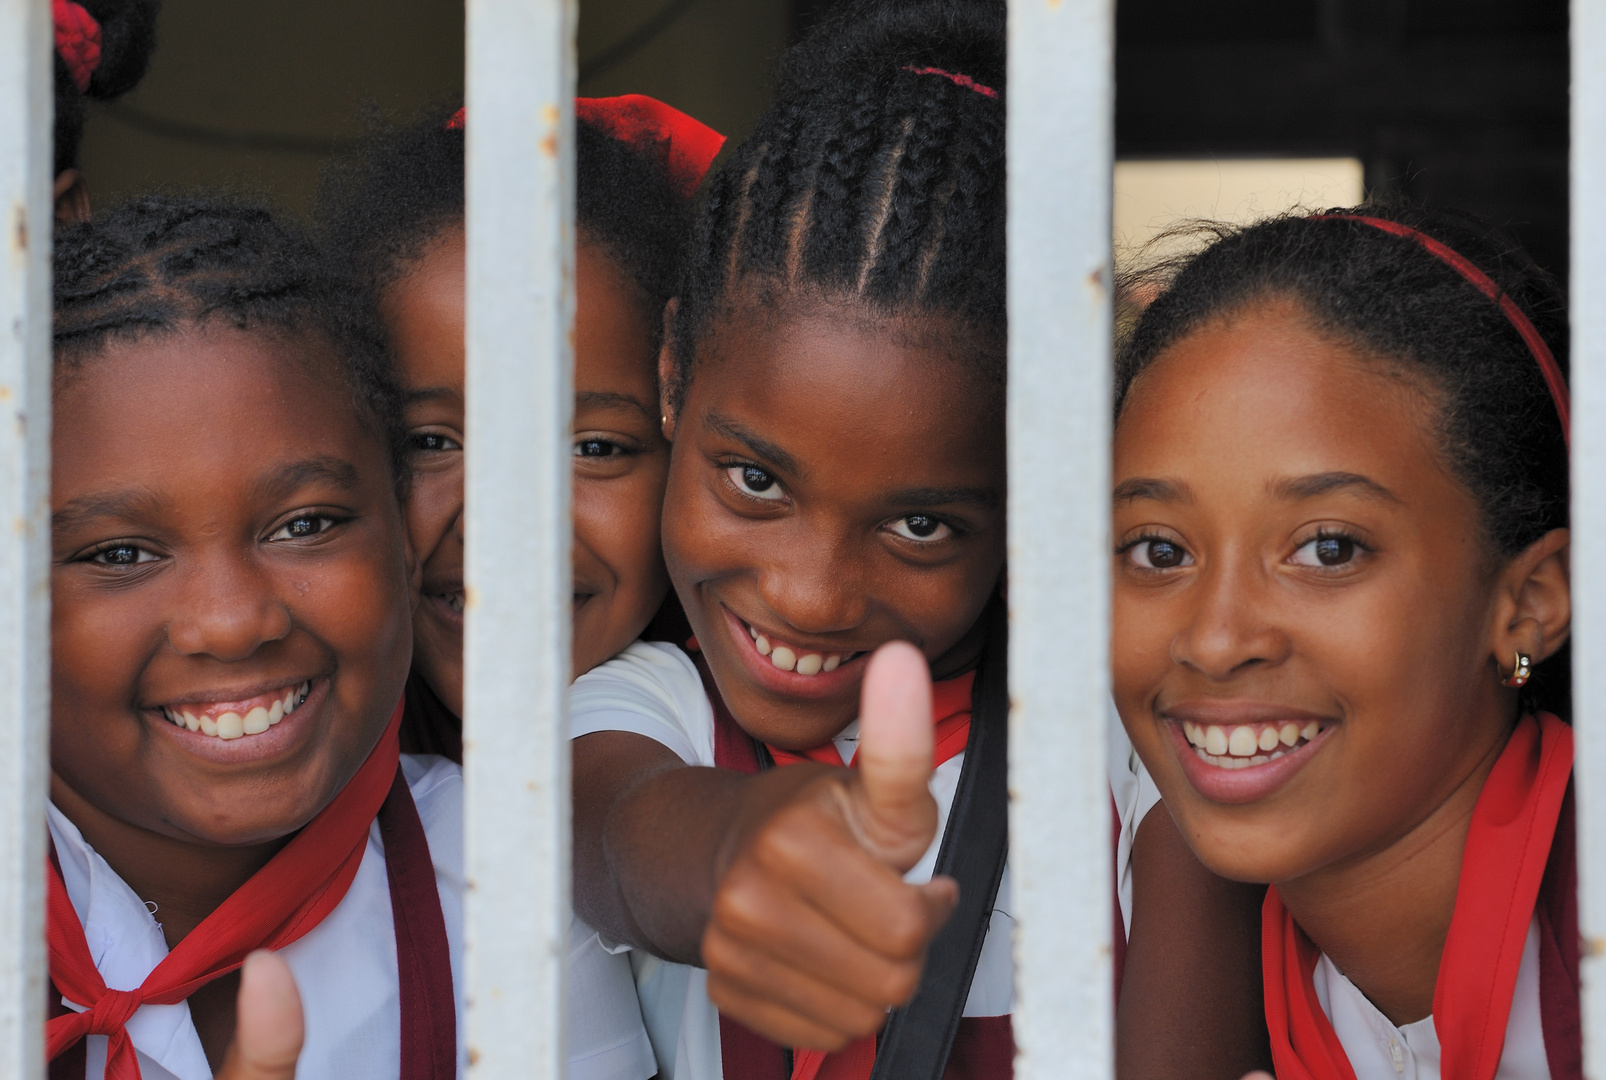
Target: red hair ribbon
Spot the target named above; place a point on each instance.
(958, 80)
(1485, 284)
(686, 146)
(77, 40)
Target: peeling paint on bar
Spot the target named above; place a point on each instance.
(1587, 297)
(26, 160)
(521, 78)
(1061, 145)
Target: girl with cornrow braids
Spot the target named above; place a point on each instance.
(102, 50)
(231, 623)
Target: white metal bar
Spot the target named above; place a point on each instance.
(1060, 153)
(25, 217)
(1587, 289)
(521, 77)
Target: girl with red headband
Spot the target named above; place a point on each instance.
(102, 50)
(231, 624)
(1341, 614)
(395, 211)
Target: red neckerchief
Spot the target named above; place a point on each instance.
(746, 1055)
(280, 903)
(1507, 852)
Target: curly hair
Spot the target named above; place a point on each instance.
(877, 175)
(159, 263)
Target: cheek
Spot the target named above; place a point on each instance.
(434, 502)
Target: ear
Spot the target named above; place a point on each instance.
(71, 197)
(666, 369)
(1534, 609)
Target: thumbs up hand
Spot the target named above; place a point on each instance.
(268, 1027)
(813, 934)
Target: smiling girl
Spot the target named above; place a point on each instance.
(1340, 508)
(231, 606)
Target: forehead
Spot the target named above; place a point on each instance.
(424, 313)
(832, 383)
(613, 330)
(205, 405)
(1264, 393)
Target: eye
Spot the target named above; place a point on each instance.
(1158, 553)
(597, 448)
(754, 481)
(432, 442)
(922, 528)
(303, 527)
(1325, 551)
(122, 555)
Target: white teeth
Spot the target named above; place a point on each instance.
(192, 722)
(1215, 742)
(810, 664)
(752, 633)
(256, 721)
(208, 726)
(1289, 734)
(832, 662)
(783, 658)
(1268, 739)
(230, 726)
(1242, 741)
(276, 713)
(455, 602)
(1311, 730)
(762, 644)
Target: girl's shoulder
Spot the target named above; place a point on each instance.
(651, 689)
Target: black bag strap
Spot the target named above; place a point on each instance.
(918, 1037)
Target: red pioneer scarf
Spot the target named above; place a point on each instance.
(746, 1055)
(1507, 850)
(280, 903)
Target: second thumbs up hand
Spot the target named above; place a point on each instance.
(813, 933)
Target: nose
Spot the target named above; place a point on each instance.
(1230, 627)
(815, 584)
(226, 609)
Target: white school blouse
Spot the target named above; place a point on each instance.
(345, 967)
(653, 689)
(1376, 1048)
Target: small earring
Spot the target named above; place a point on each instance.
(1522, 669)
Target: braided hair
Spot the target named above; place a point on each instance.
(1497, 427)
(383, 207)
(876, 176)
(127, 39)
(160, 263)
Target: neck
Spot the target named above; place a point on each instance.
(186, 881)
(1382, 917)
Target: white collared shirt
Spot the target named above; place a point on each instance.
(345, 967)
(653, 689)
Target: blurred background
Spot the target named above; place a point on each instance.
(1224, 108)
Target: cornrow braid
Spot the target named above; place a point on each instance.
(162, 262)
(877, 175)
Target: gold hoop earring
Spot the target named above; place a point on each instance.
(1522, 669)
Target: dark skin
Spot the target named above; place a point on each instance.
(230, 531)
(1298, 548)
(71, 197)
(834, 487)
(620, 456)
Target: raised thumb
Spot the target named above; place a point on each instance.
(268, 1026)
(893, 761)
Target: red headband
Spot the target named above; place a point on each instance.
(687, 147)
(77, 41)
(1485, 284)
(958, 80)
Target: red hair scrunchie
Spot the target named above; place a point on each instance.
(77, 41)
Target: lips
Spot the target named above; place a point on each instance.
(446, 597)
(1240, 754)
(235, 719)
(790, 667)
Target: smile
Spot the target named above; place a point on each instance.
(1239, 746)
(796, 659)
(230, 720)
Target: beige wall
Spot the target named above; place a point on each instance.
(269, 88)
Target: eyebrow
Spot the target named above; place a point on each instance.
(1309, 487)
(323, 468)
(598, 399)
(431, 393)
(986, 498)
(1147, 487)
(724, 425)
(127, 505)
